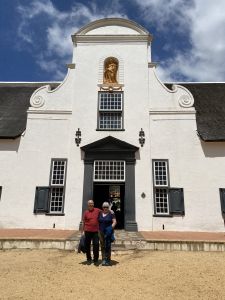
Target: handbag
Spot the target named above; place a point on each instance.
(82, 245)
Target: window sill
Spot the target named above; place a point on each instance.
(55, 214)
(163, 216)
(110, 129)
(170, 215)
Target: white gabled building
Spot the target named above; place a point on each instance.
(112, 131)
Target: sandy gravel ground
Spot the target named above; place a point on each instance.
(53, 274)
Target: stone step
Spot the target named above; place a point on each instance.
(119, 247)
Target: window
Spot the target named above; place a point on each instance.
(58, 172)
(167, 200)
(161, 201)
(161, 173)
(50, 199)
(110, 111)
(161, 184)
(57, 182)
(109, 170)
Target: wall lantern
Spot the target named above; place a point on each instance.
(141, 137)
(78, 137)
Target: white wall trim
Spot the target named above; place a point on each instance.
(111, 39)
(50, 112)
(172, 112)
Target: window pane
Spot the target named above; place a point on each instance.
(110, 170)
(160, 173)
(110, 120)
(161, 201)
(58, 172)
(110, 101)
(56, 200)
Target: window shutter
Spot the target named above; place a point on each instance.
(176, 198)
(41, 199)
(222, 200)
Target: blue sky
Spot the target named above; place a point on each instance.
(188, 44)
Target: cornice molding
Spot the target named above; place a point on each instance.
(111, 86)
(111, 38)
(49, 112)
(152, 64)
(172, 112)
(71, 66)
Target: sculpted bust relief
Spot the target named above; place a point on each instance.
(110, 70)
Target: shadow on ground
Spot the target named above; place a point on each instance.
(85, 263)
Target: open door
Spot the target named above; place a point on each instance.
(114, 194)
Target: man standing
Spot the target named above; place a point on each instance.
(90, 228)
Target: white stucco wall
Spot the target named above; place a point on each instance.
(190, 168)
(167, 118)
(112, 30)
(173, 135)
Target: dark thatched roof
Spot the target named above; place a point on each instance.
(210, 109)
(14, 102)
(209, 104)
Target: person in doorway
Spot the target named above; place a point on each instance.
(114, 207)
(107, 223)
(90, 229)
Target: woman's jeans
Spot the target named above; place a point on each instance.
(105, 242)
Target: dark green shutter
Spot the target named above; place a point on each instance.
(222, 200)
(41, 199)
(176, 198)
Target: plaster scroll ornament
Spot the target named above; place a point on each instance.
(186, 101)
(37, 101)
(110, 70)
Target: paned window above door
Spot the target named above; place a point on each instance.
(109, 170)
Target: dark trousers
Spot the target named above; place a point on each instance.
(92, 236)
(105, 242)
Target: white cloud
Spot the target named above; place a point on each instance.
(203, 24)
(57, 29)
(47, 30)
(163, 13)
(50, 66)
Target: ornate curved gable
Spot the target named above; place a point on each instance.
(114, 28)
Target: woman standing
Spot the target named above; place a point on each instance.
(107, 223)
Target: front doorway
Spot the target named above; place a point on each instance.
(114, 194)
(111, 162)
